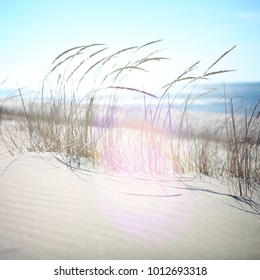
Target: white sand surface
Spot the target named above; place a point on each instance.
(50, 211)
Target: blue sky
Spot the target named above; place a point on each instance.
(33, 33)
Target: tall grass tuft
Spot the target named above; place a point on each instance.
(80, 112)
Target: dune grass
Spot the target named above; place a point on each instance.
(80, 113)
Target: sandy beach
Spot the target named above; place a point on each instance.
(129, 139)
(51, 211)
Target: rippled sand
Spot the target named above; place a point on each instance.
(51, 211)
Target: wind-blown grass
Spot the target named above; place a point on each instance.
(79, 113)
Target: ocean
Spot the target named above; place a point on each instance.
(202, 97)
(206, 97)
(245, 96)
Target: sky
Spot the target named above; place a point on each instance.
(33, 33)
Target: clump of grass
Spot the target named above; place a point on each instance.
(242, 146)
(78, 114)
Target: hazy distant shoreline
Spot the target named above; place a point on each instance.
(202, 98)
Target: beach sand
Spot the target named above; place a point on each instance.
(48, 210)
(51, 211)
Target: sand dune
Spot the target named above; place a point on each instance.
(49, 211)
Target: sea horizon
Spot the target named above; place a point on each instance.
(202, 97)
